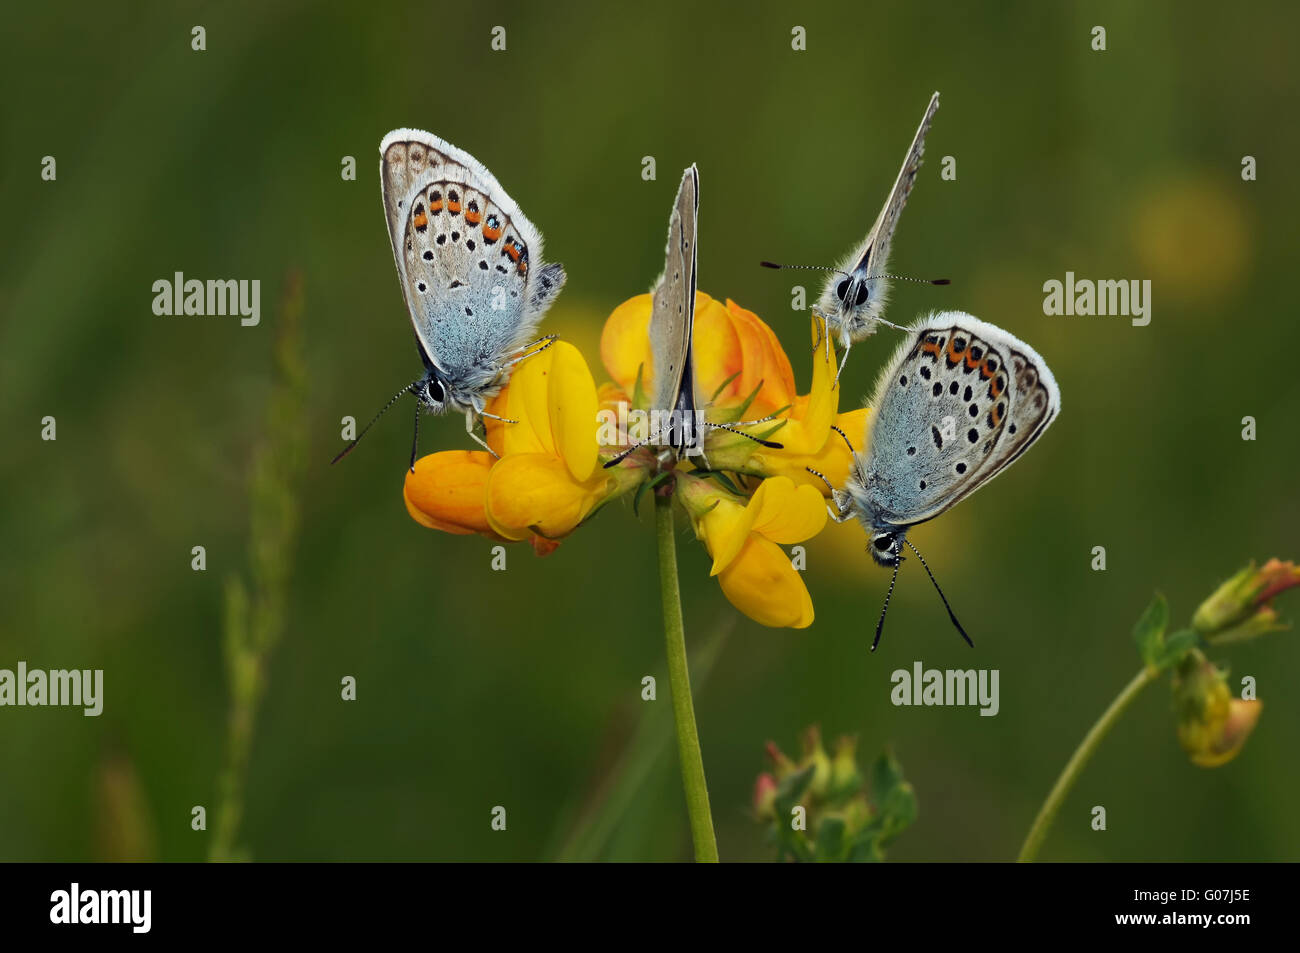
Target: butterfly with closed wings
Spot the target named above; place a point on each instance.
(677, 423)
(853, 300)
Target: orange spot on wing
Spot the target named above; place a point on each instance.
(930, 347)
(453, 207)
(473, 217)
(435, 207)
(996, 388)
(512, 250)
(985, 371)
(954, 356)
(490, 233)
(420, 220)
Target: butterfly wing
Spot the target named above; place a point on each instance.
(958, 403)
(872, 256)
(469, 260)
(672, 315)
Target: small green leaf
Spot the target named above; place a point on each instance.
(638, 393)
(1176, 647)
(1149, 633)
(647, 485)
(830, 840)
(724, 384)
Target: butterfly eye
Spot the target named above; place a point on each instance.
(861, 297)
(435, 390)
(883, 543)
(842, 289)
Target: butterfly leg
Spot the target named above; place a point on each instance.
(537, 347)
(470, 420)
(841, 506)
(847, 342)
(823, 334)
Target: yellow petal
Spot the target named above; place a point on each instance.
(527, 403)
(786, 513)
(625, 342)
(725, 529)
(762, 583)
(535, 491)
(572, 404)
(823, 401)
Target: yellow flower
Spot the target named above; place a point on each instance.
(546, 481)
(750, 502)
(744, 537)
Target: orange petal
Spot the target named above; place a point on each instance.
(447, 491)
(717, 352)
(763, 361)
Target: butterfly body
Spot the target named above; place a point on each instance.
(470, 266)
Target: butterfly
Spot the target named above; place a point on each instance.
(470, 266)
(676, 421)
(957, 404)
(853, 300)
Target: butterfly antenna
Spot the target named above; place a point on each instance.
(624, 454)
(409, 388)
(415, 437)
(941, 595)
(770, 444)
(845, 436)
(924, 281)
(772, 264)
(880, 626)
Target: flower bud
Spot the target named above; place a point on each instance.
(1212, 725)
(1239, 608)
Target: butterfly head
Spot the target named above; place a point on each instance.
(886, 546)
(853, 292)
(432, 393)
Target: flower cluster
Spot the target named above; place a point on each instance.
(745, 500)
(817, 809)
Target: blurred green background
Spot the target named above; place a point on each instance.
(478, 688)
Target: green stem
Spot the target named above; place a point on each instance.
(1074, 767)
(679, 679)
